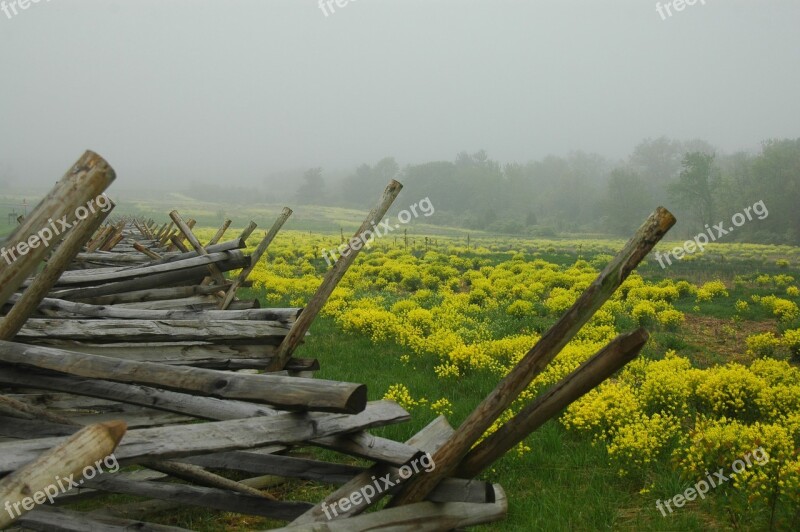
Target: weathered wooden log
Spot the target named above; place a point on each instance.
(94, 244)
(285, 392)
(591, 373)
(281, 315)
(11, 324)
(551, 343)
(113, 238)
(129, 330)
(66, 459)
(89, 277)
(203, 438)
(248, 230)
(195, 303)
(198, 354)
(257, 463)
(154, 294)
(185, 276)
(166, 231)
(230, 245)
(118, 258)
(259, 252)
(141, 249)
(429, 439)
(332, 278)
(218, 236)
(22, 429)
(198, 475)
(16, 408)
(177, 243)
(82, 183)
(201, 407)
(198, 247)
(160, 232)
(47, 519)
(450, 490)
(202, 496)
(162, 243)
(422, 517)
(370, 447)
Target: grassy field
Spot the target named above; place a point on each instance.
(564, 481)
(407, 314)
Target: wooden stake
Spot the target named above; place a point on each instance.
(86, 180)
(262, 248)
(332, 278)
(11, 324)
(220, 233)
(591, 373)
(187, 232)
(82, 450)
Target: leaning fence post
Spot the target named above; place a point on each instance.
(332, 278)
(86, 180)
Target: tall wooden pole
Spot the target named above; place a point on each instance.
(332, 278)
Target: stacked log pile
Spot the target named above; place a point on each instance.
(133, 332)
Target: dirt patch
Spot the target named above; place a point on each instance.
(720, 340)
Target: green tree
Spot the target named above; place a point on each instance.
(694, 189)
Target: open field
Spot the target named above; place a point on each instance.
(436, 329)
(434, 324)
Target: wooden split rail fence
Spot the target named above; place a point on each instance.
(132, 332)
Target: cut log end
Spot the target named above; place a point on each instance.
(115, 429)
(357, 401)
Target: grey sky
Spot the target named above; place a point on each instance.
(236, 90)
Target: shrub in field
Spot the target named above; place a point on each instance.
(792, 291)
(560, 300)
(791, 339)
(710, 290)
(520, 309)
(644, 312)
(729, 391)
(654, 293)
(685, 288)
(400, 394)
(670, 319)
(784, 309)
(704, 419)
(762, 345)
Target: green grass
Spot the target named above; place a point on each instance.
(564, 483)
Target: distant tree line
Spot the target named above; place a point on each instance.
(586, 193)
